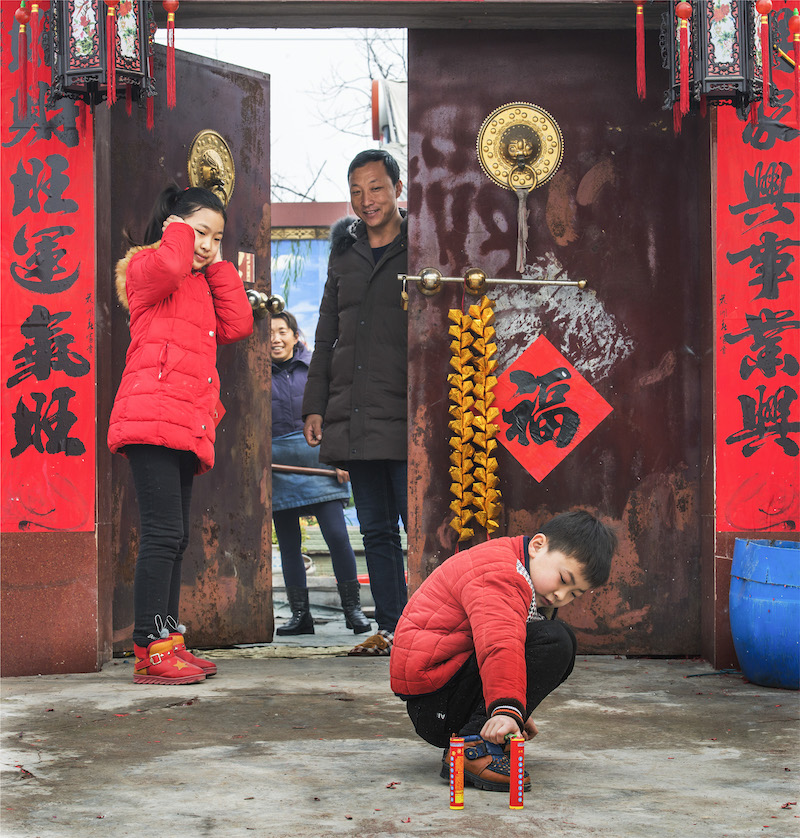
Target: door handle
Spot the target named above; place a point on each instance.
(429, 281)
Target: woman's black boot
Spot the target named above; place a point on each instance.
(301, 622)
(350, 594)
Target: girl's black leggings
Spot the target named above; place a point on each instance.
(163, 479)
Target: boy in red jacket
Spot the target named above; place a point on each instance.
(478, 646)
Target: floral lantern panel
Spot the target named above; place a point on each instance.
(725, 48)
(95, 48)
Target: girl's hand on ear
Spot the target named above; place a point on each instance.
(171, 219)
(218, 256)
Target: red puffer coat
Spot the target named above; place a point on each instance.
(476, 601)
(170, 387)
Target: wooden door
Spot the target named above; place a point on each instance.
(226, 594)
(628, 211)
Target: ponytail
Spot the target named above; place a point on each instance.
(183, 203)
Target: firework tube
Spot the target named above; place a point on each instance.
(517, 772)
(456, 772)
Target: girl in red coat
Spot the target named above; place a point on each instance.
(183, 300)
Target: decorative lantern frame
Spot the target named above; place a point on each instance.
(725, 54)
(74, 42)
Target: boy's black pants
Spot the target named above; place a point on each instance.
(458, 707)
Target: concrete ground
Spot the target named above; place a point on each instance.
(290, 740)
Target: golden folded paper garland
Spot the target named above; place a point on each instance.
(473, 469)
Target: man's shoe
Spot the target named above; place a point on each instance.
(209, 668)
(486, 766)
(158, 664)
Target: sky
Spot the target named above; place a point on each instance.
(300, 63)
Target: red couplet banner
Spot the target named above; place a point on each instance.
(47, 317)
(758, 312)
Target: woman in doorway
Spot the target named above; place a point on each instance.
(294, 495)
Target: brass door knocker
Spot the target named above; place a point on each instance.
(520, 147)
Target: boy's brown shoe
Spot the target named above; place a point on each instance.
(486, 766)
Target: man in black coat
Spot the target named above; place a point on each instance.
(355, 402)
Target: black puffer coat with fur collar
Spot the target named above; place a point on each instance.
(358, 378)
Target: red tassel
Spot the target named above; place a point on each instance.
(151, 107)
(171, 6)
(641, 82)
(754, 114)
(35, 35)
(128, 99)
(82, 119)
(794, 30)
(22, 17)
(111, 52)
(684, 12)
(684, 36)
(676, 118)
(765, 7)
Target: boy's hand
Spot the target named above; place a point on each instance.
(530, 729)
(497, 727)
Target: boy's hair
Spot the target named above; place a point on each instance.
(376, 155)
(589, 541)
(183, 203)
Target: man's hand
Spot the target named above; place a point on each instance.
(312, 429)
(496, 729)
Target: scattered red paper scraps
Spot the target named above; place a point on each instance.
(393, 785)
(50, 710)
(24, 773)
(405, 820)
(789, 805)
(99, 817)
(121, 715)
(349, 817)
(249, 798)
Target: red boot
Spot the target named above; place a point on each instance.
(179, 645)
(158, 664)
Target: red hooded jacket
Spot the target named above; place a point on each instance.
(170, 387)
(476, 601)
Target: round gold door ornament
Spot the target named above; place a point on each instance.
(520, 146)
(211, 164)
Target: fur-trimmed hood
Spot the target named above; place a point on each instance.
(346, 231)
(121, 272)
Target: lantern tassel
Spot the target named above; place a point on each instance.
(82, 119)
(23, 70)
(22, 16)
(641, 81)
(794, 31)
(35, 36)
(676, 118)
(684, 38)
(151, 105)
(171, 6)
(111, 55)
(129, 99)
(765, 61)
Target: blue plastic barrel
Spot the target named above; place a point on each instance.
(765, 611)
